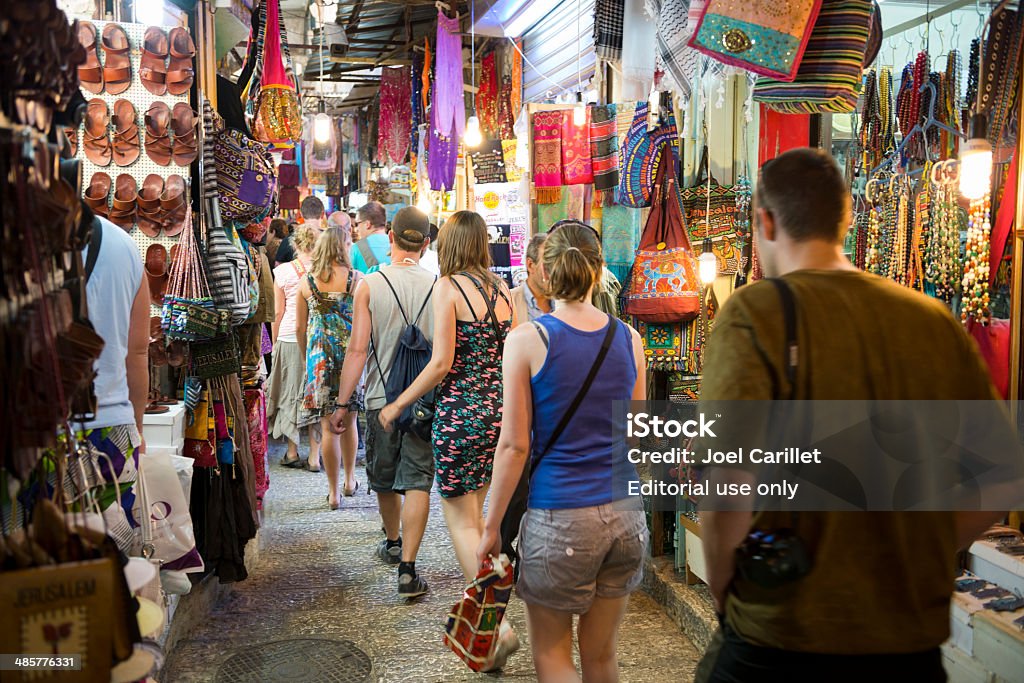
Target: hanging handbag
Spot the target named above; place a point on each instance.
(276, 110)
(246, 177)
(663, 286)
(641, 157)
(233, 282)
(714, 219)
(474, 622)
(766, 38)
(216, 357)
(188, 311)
(829, 77)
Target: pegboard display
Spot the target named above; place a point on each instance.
(142, 99)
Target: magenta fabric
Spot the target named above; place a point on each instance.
(256, 412)
(448, 104)
(394, 124)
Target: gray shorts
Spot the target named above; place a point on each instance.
(396, 462)
(569, 557)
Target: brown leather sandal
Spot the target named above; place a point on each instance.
(98, 149)
(117, 65)
(72, 135)
(98, 193)
(180, 72)
(156, 273)
(126, 133)
(90, 74)
(149, 215)
(174, 204)
(153, 65)
(183, 123)
(123, 207)
(158, 141)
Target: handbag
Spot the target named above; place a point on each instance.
(246, 179)
(641, 157)
(188, 312)
(663, 286)
(766, 38)
(273, 103)
(216, 357)
(232, 279)
(474, 622)
(288, 175)
(829, 77)
(715, 219)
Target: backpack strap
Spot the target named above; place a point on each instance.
(367, 253)
(94, 247)
(613, 327)
(792, 347)
(399, 301)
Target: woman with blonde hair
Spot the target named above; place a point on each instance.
(287, 370)
(583, 539)
(472, 315)
(324, 310)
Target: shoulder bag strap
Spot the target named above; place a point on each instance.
(792, 348)
(367, 253)
(94, 247)
(613, 328)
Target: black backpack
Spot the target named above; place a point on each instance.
(411, 356)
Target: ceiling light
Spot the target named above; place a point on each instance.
(472, 137)
(707, 265)
(976, 161)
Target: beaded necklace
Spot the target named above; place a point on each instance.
(888, 130)
(944, 252)
(951, 104)
(922, 228)
(903, 100)
(900, 234)
(973, 64)
(862, 224)
(871, 122)
(974, 303)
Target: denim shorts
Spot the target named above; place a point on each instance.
(569, 557)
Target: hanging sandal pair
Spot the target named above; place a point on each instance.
(162, 205)
(115, 74)
(161, 121)
(166, 65)
(122, 210)
(100, 147)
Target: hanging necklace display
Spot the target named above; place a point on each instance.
(972, 78)
(951, 105)
(888, 130)
(944, 266)
(871, 123)
(901, 197)
(874, 194)
(974, 304)
(861, 224)
(922, 228)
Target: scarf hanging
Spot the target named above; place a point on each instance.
(395, 120)
(512, 171)
(576, 166)
(516, 100)
(547, 156)
(487, 96)
(623, 120)
(418, 110)
(604, 150)
(572, 205)
(506, 122)
(620, 236)
(442, 155)
(608, 18)
(425, 75)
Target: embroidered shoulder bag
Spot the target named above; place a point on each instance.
(641, 157)
(713, 217)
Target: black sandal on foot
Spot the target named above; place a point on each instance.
(333, 507)
(349, 494)
(292, 464)
(305, 466)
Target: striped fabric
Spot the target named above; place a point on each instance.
(608, 18)
(604, 147)
(830, 73)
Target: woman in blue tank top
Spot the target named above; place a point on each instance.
(583, 540)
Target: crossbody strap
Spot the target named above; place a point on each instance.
(94, 247)
(367, 253)
(792, 348)
(606, 344)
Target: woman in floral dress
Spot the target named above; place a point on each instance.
(324, 311)
(472, 316)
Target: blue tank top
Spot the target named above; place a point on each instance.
(584, 468)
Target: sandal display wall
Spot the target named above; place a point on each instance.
(142, 99)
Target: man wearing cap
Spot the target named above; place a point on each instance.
(399, 466)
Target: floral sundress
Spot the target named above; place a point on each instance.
(328, 332)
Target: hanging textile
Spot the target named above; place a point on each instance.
(576, 166)
(506, 120)
(679, 62)
(571, 205)
(395, 119)
(256, 410)
(604, 150)
(418, 105)
(425, 75)
(641, 156)
(608, 16)
(274, 107)
(547, 156)
(666, 345)
(487, 96)
(516, 99)
(999, 82)
(422, 174)
(442, 156)
(512, 171)
(448, 104)
(620, 235)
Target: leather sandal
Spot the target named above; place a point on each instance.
(154, 409)
(90, 74)
(158, 141)
(183, 123)
(123, 208)
(97, 194)
(126, 133)
(98, 149)
(72, 135)
(117, 65)
(149, 214)
(156, 273)
(153, 65)
(180, 71)
(173, 205)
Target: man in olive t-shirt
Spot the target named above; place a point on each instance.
(876, 599)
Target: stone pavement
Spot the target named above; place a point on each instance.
(317, 577)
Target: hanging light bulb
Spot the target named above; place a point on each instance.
(322, 127)
(472, 137)
(707, 265)
(976, 161)
(579, 111)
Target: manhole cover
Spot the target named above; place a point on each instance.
(309, 659)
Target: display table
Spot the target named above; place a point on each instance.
(165, 432)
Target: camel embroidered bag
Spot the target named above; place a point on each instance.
(663, 286)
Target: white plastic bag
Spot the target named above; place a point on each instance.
(173, 538)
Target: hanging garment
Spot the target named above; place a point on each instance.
(571, 205)
(418, 105)
(448, 105)
(395, 119)
(516, 99)
(487, 97)
(604, 150)
(422, 174)
(425, 75)
(608, 28)
(620, 235)
(679, 62)
(506, 121)
(441, 158)
(256, 410)
(547, 156)
(576, 166)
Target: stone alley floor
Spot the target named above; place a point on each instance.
(317, 577)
